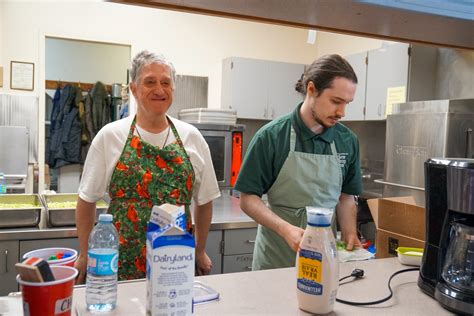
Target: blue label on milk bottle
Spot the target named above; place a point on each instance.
(102, 261)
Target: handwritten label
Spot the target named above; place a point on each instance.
(395, 95)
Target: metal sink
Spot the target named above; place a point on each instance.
(20, 210)
(65, 215)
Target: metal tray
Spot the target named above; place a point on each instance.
(65, 216)
(27, 215)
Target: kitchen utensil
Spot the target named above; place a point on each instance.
(20, 210)
(61, 209)
(409, 256)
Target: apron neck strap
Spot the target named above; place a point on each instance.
(292, 139)
(333, 149)
(293, 143)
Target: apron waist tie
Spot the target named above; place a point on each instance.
(295, 216)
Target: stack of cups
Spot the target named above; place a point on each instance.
(47, 253)
(55, 297)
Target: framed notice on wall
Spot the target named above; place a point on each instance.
(22, 75)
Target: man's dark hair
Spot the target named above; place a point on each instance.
(323, 71)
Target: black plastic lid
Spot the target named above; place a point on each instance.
(463, 163)
(439, 161)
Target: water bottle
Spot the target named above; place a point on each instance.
(3, 183)
(317, 264)
(102, 266)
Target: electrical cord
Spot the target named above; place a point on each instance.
(358, 274)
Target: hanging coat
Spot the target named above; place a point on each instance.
(65, 138)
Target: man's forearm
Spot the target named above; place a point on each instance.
(254, 207)
(85, 219)
(202, 224)
(347, 217)
(347, 214)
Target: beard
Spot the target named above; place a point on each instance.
(318, 120)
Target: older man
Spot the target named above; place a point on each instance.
(145, 160)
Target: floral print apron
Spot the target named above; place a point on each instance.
(146, 175)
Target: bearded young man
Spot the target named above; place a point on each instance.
(304, 158)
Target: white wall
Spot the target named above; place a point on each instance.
(333, 43)
(196, 44)
(68, 60)
(2, 63)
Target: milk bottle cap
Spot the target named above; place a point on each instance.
(319, 216)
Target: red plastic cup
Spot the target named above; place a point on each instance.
(49, 298)
(46, 253)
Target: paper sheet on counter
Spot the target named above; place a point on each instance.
(354, 255)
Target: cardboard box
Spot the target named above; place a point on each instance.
(400, 223)
(386, 243)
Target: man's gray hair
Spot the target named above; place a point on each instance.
(145, 58)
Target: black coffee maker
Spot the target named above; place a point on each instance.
(447, 269)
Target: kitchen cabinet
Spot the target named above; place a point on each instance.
(387, 68)
(8, 258)
(259, 89)
(412, 67)
(213, 250)
(237, 249)
(355, 109)
(12, 251)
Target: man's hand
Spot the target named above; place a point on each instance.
(351, 241)
(203, 263)
(81, 266)
(254, 207)
(347, 217)
(293, 236)
(202, 224)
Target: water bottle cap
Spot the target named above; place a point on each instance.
(105, 218)
(319, 216)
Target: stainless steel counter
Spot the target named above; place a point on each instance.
(226, 215)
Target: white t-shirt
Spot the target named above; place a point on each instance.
(108, 145)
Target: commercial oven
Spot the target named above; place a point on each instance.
(225, 145)
(420, 130)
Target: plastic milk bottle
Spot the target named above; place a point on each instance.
(317, 264)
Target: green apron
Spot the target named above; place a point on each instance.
(146, 175)
(305, 179)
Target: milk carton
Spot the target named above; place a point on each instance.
(169, 262)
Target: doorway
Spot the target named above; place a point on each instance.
(82, 67)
